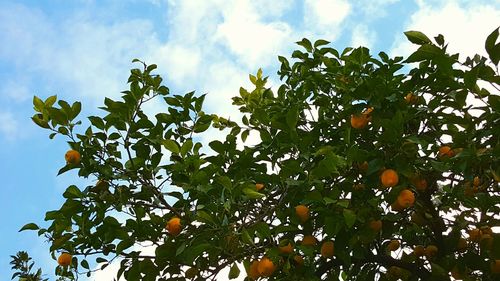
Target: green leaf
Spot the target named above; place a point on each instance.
(50, 101)
(262, 229)
(29, 226)
(42, 123)
(492, 48)
(417, 37)
(292, 117)
(171, 145)
(234, 272)
(349, 217)
(425, 52)
(38, 104)
(72, 192)
(320, 42)
(217, 146)
(186, 147)
(252, 193)
(123, 245)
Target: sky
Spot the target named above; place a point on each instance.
(82, 50)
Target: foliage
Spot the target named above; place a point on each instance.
(236, 204)
(23, 265)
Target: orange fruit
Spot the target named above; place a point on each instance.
(455, 273)
(419, 251)
(72, 157)
(445, 151)
(327, 249)
(174, 226)
(486, 230)
(375, 225)
(418, 219)
(359, 121)
(476, 181)
(431, 251)
(191, 273)
(389, 178)
(259, 186)
(363, 166)
(253, 270)
(420, 184)
(358, 187)
(302, 212)
(299, 260)
(394, 272)
(461, 245)
(475, 235)
(495, 266)
(286, 249)
(396, 207)
(411, 98)
(309, 240)
(64, 259)
(486, 241)
(393, 245)
(266, 267)
(368, 111)
(406, 198)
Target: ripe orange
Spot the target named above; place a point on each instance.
(64, 259)
(486, 241)
(486, 230)
(299, 260)
(259, 186)
(389, 178)
(455, 273)
(406, 198)
(363, 166)
(419, 251)
(266, 267)
(302, 212)
(286, 249)
(359, 121)
(431, 251)
(327, 249)
(475, 235)
(358, 187)
(72, 157)
(309, 240)
(445, 151)
(476, 181)
(191, 273)
(375, 225)
(174, 226)
(411, 98)
(253, 270)
(420, 184)
(461, 245)
(393, 245)
(396, 207)
(495, 266)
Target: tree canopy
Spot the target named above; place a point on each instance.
(366, 168)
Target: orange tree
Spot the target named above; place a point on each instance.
(367, 168)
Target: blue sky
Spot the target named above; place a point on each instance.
(82, 50)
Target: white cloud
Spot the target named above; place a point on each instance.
(9, 126)
(180, 63)
(253, 41)
(326, 12)
(79, 56)
(362, 36)
(16, 90)
(375, 8)
(465, 27)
